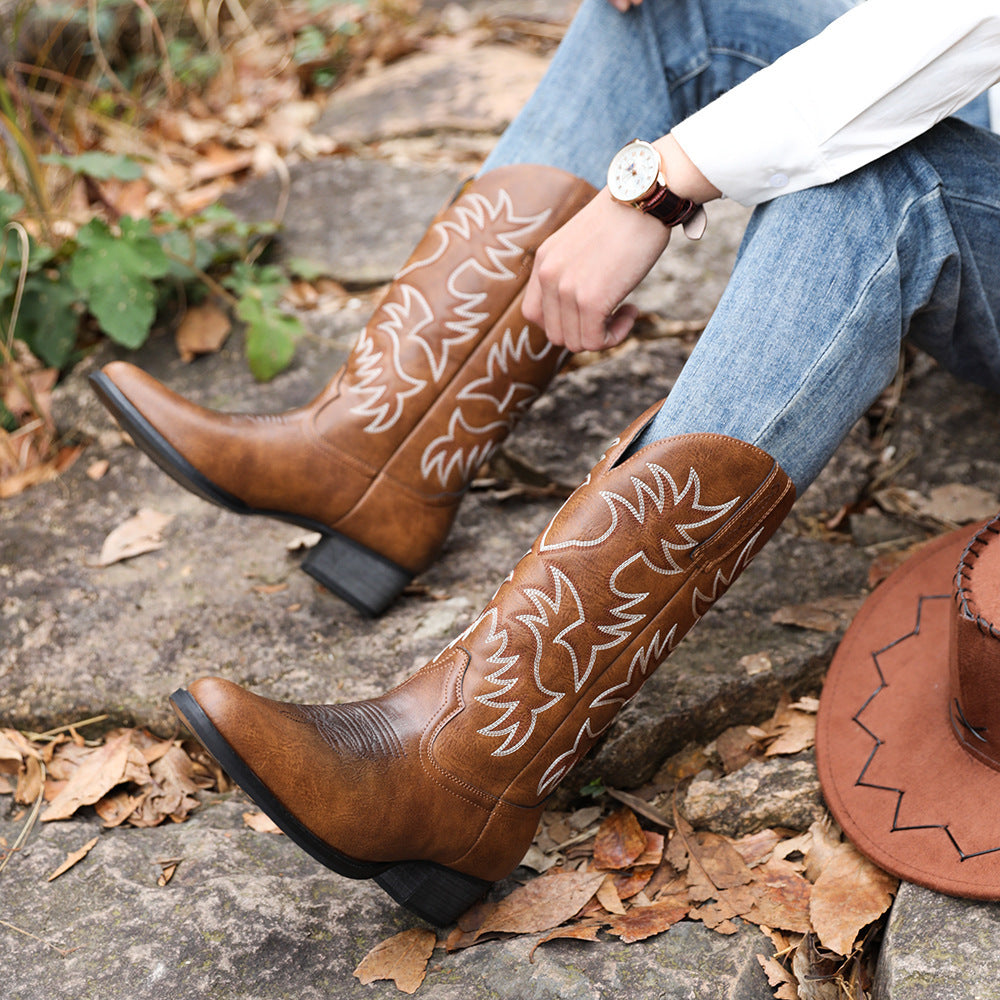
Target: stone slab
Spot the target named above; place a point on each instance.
(248, 915)
(456, 88)
(937, 946)
(353, 219)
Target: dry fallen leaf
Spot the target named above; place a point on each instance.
(575, 932)
(260, 822)
(114, 762)
(203, 330)
(543, 903)
(848, 895)
(825, 615)
(402, 958)
(780, 979)
(620, 841)
(958, 503)
(167, 868)
(98, 470)
(172, 790)
(781, 898)
(642, 922)
(134, 537)
(607, 896)
(73, 858)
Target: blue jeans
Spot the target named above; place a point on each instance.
(827, 281)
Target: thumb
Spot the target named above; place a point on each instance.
(620, 324)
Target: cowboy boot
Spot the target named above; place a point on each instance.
(378, 462)
(435, 789)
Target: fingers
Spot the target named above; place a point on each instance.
(584, 272)
(571, 308)
(624, 5)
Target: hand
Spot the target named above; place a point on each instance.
(623, 5)
(583, 272)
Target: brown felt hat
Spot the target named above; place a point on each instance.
(908, 736)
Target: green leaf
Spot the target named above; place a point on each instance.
(593, 789)
(115, 276)
(100, 166)
(10, 205)
(307, 269)
(7, 419)
(270, 338)
(48, 321)
(266, 284)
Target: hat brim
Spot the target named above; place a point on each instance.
(892, 770)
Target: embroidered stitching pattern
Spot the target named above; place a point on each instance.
(408, 320)
(506, 402)
(650, 501)
(647, 658)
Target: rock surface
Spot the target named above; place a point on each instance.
(248, 915)
(782, 792)
(939, 947)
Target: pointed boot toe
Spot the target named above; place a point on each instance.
(322, 774)
(164, 425)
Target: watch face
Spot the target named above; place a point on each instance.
(633, 171)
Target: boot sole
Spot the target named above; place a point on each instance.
(365, 579)
(437, 894)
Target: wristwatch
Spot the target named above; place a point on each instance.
(635, 177)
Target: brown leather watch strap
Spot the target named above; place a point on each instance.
(669, 208)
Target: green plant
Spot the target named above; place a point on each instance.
(124, 275)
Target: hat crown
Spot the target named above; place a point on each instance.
(974, 647)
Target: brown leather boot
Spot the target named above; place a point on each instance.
(378, 461)
(435, 789)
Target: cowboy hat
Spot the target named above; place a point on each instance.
(908, 734)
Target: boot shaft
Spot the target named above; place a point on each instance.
(447, 361)
(627, 566)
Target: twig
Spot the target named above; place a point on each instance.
(48, 944)
(94, 191)
(7, 340)
(99, 55)
(166, 69)
(51, 734)
(29, 823)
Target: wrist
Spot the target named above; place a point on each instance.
(683, 177)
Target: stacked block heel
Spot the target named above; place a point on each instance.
(367, 581)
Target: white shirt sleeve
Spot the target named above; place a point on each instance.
(878, 76)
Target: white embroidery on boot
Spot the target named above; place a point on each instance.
(404, 322)
(506, 403)
(639, 509)
(407, 320)
(652, 654)
(646, 659)
(472, 213)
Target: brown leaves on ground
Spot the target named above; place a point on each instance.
(629, 867)
(31, 453)
(812, 894)
(128, 777)
(203, 330)
(138, 535)
(402, 958)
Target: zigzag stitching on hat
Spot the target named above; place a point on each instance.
(879, 742)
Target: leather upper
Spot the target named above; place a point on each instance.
(454, 765)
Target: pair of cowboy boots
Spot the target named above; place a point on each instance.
(434, 790)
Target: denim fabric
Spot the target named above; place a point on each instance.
(619, 76)
(827, 281)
